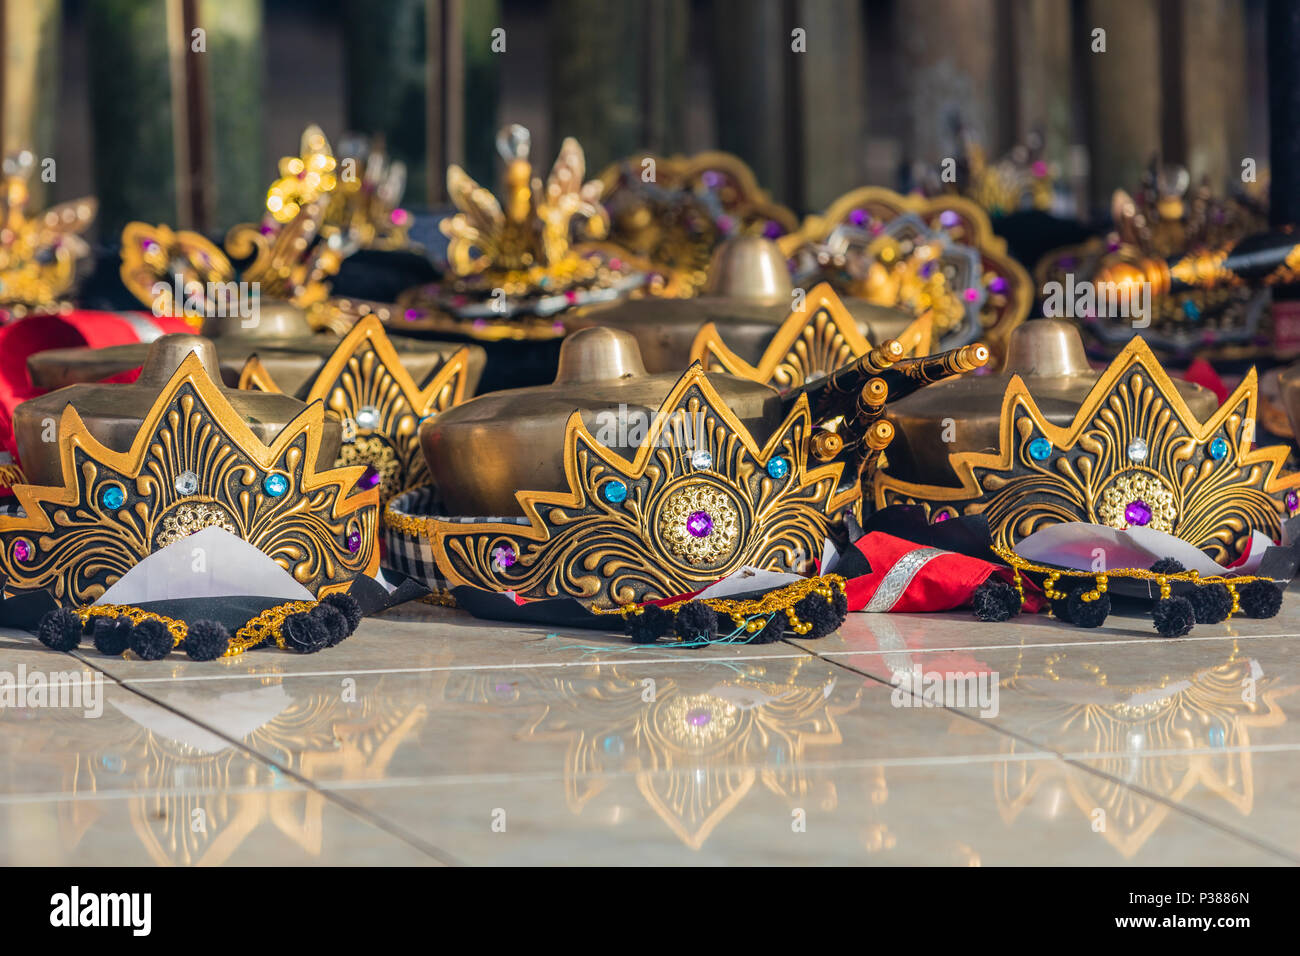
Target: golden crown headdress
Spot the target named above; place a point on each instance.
(1003, 288)
(1134, 455)
(193, 464)
(39, 254)
(525, 244)
(810, 343)
(381, 406)
(364, 208)
(699, 500)
(674, 211)
(288, 259)
(821, 348)
(1169, 229)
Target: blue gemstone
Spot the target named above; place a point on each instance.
(1040, 449)
(275, 485)
(778, 468)
(615, 492)
(1218, 449)
(1191, 310)
(112, 497)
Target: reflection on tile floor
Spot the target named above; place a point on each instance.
(433, 738)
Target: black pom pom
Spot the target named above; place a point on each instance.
(771, 632)
(1061, 609)
(333, 621)
(151, 641)
(647, 627)
(60, 630)
(1168, 566)
(696, 621)
(112, 635)
(1260, 598)
(1087, 613)
(1173, 616)
(206, 641)
(346, 605)
(995, 600)
(1210, 603)
(820, 613)
(304, 634)
(840, 602)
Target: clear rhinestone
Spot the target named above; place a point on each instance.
(701, 461)
(367, 417)
(1137, 450)
(187, 483)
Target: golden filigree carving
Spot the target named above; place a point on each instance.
(809, 344)
(192, 453)
(381, 406)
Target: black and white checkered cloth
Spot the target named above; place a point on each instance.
(412, 555)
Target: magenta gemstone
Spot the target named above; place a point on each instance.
(1292, 501)
(942, 516)
(354, 541)
(998, 285)
(698, 717)
(1137, 512)
(22, 550)
(772, 229)
(699, 524)
(948, 219)
(858, 217)
(504, 556)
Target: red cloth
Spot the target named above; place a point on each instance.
(78, 328)
(1202, 373)
(908, 577)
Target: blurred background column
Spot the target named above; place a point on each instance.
(1283, 29)
(423, 75)
(618, 77)
(951, 72)
(1123, 91)
(29, 82)
(176, 114)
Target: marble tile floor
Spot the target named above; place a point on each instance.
(433, 738)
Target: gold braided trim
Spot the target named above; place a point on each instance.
(742, 613)
(404, 523)
(266, 626)
(177, 629)
(1102, 580)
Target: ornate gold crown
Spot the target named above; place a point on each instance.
(365, 383)
(38, 254)
(1134, 455)
(822, 344)
(288, 258)
(810, 344)
(674, 211)
(527, 246)
(1022, 179)
(193, 464)
(364, 207)
(1002, 288)
(699, 500)
(1167, 219)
